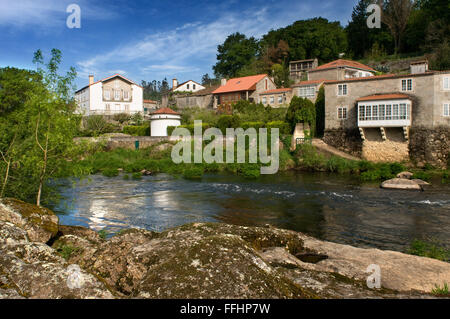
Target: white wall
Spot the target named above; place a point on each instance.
(160, 122)
(184, 88)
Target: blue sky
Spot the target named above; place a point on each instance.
(145, 40)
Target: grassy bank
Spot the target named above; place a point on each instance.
(307, 158)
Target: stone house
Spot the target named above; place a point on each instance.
(298, 68)
(202, 99)
(276, 98)
(112, 95)
(391, 117)
(149, 106)
(245, 88)
(340, 70)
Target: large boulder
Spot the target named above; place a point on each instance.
(40, 223)
(401, 183)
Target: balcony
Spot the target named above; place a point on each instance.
(384, 113)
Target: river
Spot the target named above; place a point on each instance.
(329, 207)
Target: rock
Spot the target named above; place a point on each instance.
(401, 183)
(420, 182)
(162, 147)
(406, 175)
(40, 223)
(146, 172)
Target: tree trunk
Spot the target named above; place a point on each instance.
(44, 166)
(5, 181)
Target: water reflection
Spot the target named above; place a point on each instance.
(334, 208)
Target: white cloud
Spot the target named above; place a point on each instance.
(46, 13)
(191, 47)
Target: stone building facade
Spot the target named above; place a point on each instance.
(276, 98)
(391, 117)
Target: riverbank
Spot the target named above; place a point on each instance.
(202, 260)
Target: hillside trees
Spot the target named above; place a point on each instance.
(301, 110)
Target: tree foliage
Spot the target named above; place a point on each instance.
(301, 110)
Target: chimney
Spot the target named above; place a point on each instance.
(418, 67)
(174, 84)
(91, 79)
(223, 82)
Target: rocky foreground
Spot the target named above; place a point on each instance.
(38, 258)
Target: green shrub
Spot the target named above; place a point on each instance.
(282, 126)
(250, 170)
(430, 249)
(441, 291)
(228, 121)
(425, 176)
(121, 117)
(103, 234)
(194, 172)
(137, 175)
(126, 177)
(110, 172)
(143, 130)
(190, 128)
(255, 125)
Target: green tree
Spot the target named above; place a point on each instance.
(236, 52)
(320, 112)
(301, 110)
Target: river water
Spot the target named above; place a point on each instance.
(330, 207)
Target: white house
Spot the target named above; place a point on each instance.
(115, 94)
(188, 86)
(163, 118)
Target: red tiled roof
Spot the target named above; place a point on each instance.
(165, 110)
(383, 97)
(150, 101)
(247, 83)
(309, 82)
(343, 63)
(277, 91)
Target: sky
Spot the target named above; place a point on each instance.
(145, 40)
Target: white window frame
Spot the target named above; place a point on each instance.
(446, 83)
(264, 100)
(126, 95)
(116, 95)
(280, 99)
(342, 90)
(407, 88)
(342, 113)
(272, 99)
(446, 109)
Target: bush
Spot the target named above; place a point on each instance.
(194, 172)
(228, 121)
(137, 119)
(137, 175)
(110, 172)
(255, 125)
(301, 110)
(430, 249)
(190, 127)
(121, 117)
(97, 125)
(143, 130)
(422, 175)
(282, 126)
(250, 170)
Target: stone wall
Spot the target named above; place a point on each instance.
(430, 146)
(393, 149)
(202, 101)
(346, 140)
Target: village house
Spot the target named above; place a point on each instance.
(188, 86)
(298, 68)
(391, 117)
(112, 95)
(202, 99)
(276, 98)
(161, 119)
(245, 88)
(340, 70)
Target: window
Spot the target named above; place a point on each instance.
(264, 100)
(187, 86)
(388, 112)
(447, 109)
(446, 83)
(403, 111)
(342, 113)
(395, 112)
(307, 91)
(362, 109)
(381, 111)
(342, 89)
(272, 100)
(107, 95)
(374, 112)
(126, 95)
(193, 86)
(116, 95)
(407, 85)
(280, 99)
(368, 112)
